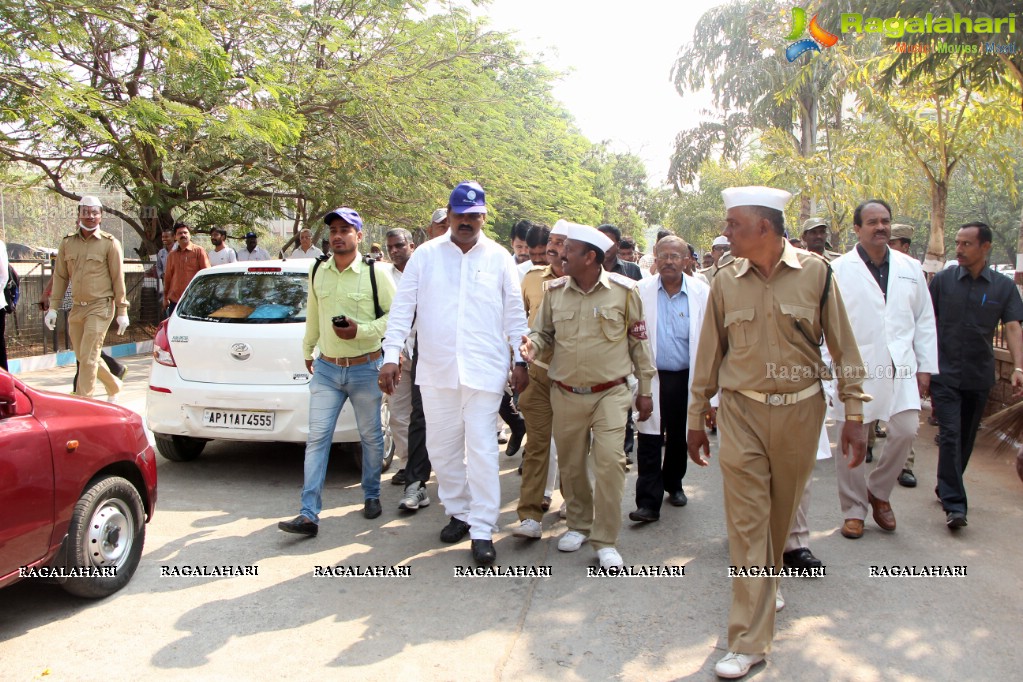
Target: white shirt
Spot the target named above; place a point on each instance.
(523, 268)
(258, 254)
(467, 308)
(313, 252)
(225, 255)
(3, 271)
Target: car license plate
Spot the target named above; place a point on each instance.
(258, 420)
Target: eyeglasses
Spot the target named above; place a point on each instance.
(670, 258)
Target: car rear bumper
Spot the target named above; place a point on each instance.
(179, 412)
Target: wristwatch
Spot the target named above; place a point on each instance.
(521, 364)
(854, 418)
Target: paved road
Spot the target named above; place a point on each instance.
(285, 623)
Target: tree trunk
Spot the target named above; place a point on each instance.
(807, 146)
(935, 258)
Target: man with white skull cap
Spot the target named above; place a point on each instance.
(593, 321)
(760, 346)
(91, 261)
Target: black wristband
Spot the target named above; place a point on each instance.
(521, 364)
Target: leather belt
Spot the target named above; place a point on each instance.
(776, 399)
(586, 390)
(85, 303)
(352, 362)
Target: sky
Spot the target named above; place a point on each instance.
(617, 59)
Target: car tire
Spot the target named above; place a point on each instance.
(108, 529)
(179, 448)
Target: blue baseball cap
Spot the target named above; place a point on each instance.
(349, 215)
(468, 197)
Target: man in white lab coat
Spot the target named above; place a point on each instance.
(890, 311)
(674, 304)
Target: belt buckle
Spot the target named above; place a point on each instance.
(582, 391)
(775, 399)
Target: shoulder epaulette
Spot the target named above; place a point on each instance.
(723, 262)
(622, 280)
(555, 283)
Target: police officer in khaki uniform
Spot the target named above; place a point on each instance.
(815, 238)
(535, 401)
(765, 319)
(92, 262)
(593, 320)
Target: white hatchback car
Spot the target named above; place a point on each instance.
(228, 364)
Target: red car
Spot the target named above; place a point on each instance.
(77, 486)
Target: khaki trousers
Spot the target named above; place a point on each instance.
(87, 327)
(767, 454)
(535, 406)
(854, 484)
(603, 416)
(399, 413)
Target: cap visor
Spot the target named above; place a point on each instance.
(468, 209)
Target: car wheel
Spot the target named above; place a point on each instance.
(108, 528)
(179, 448)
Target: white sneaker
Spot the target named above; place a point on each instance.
(415, 497)
(563, 510)
(609, 558)
(571, 541)
(779, 601)
(112, 398)
(734, 666)
(528, 529)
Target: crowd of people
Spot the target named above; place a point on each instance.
(579, 341)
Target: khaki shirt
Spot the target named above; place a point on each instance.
(534, 285)
(597, 336)
(750, 339)
(93, 266)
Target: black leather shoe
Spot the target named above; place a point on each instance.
(955, 520)
(483, 552)
(801, 558)
(879, 432)
(120, 374)
(372, 509)
(514, 443)
(870, 455)
(907, 479)
(678, 499)
(399, 478)
(454, 531)
(644, 515)
(300, 525)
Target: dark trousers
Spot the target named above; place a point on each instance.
(417, 468)
(510, 414)
(657, 477)
(113, 365)
(3, 336)
(959, 412)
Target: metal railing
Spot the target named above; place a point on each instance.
(27, 335)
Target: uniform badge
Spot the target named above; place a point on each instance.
(638, 330)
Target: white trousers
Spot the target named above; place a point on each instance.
(460, 427)
(552, 471)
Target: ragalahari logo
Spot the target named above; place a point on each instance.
(818, 36)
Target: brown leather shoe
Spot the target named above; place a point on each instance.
(883, 514)
(852, 528)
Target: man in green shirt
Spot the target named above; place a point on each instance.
(342, 321)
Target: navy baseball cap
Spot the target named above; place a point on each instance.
(468, 197)
(349, 215)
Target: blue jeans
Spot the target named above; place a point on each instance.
(330, 387)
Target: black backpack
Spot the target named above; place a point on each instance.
(12, 290)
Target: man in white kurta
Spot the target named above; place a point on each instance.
(463, 291)
(891, 314)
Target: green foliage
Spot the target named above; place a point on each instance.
(232, 112)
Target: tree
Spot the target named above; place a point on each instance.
(938, 129)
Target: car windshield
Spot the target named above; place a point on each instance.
(246, 298)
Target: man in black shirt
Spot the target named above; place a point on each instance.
(612, 263)
(969, 301)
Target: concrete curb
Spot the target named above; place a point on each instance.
(67, 357)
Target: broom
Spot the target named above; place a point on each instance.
(1008, 426)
